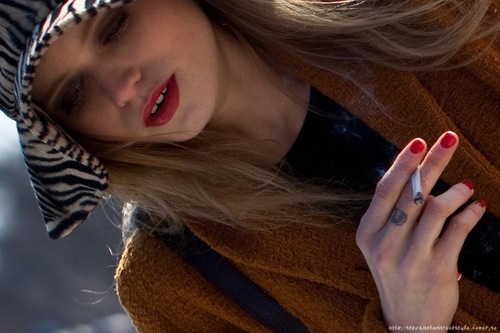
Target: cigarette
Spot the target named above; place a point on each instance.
(416, 185)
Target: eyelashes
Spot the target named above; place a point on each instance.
(114, 29)
(74, 97)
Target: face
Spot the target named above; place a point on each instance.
(149, 68)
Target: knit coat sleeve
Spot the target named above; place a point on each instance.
(318, 275)
(161, 293)
(401, 106)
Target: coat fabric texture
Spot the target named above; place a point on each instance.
(318, 274)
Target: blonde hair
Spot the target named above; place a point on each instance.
(213, 178)
(416, 35)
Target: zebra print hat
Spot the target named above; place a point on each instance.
(68, 182)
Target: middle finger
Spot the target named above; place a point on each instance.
(406, 212)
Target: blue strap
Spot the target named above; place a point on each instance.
(216, 269)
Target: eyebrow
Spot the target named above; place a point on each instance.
(88, 26)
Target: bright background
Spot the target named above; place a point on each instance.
(47, 286)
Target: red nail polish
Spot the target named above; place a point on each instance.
(417, 146)
(469, 184)
(448, 140)
(481, 203)
(459, 276)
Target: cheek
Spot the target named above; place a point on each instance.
(178, 27)
(100, 119)
(185, 125)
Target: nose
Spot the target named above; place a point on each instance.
(119, 84)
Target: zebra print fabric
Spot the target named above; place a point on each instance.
(68, 182)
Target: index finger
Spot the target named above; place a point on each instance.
(396, 181)
(436, 160)
(390, 187)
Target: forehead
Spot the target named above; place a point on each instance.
(64, 46)
(57, 23)
(60, 58)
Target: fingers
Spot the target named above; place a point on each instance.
(460, 225)
(410, 259)
(437, 211)
(431, 168)
(394, 213)
(390, 187)
(393, 198)
(437, 159)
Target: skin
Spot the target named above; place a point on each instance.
(223, 88)
(414, 268)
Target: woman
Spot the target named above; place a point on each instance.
(197, 112)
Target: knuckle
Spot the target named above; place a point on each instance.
(379, 258)
(363, 236)
(361, 239)
(464, 222)
(383, 189)
(437, 207)
(383, 254)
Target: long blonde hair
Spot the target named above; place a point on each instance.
(416, 35)
(213, 178)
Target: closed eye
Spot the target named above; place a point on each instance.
(116, 27)
(73, 97)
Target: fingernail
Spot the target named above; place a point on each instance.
(459, 276)
(417, 146)
(448, 140)
(469, 184)
(481, 203)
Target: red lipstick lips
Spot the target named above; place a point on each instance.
(162, 104)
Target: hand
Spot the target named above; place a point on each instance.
(413, 264)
